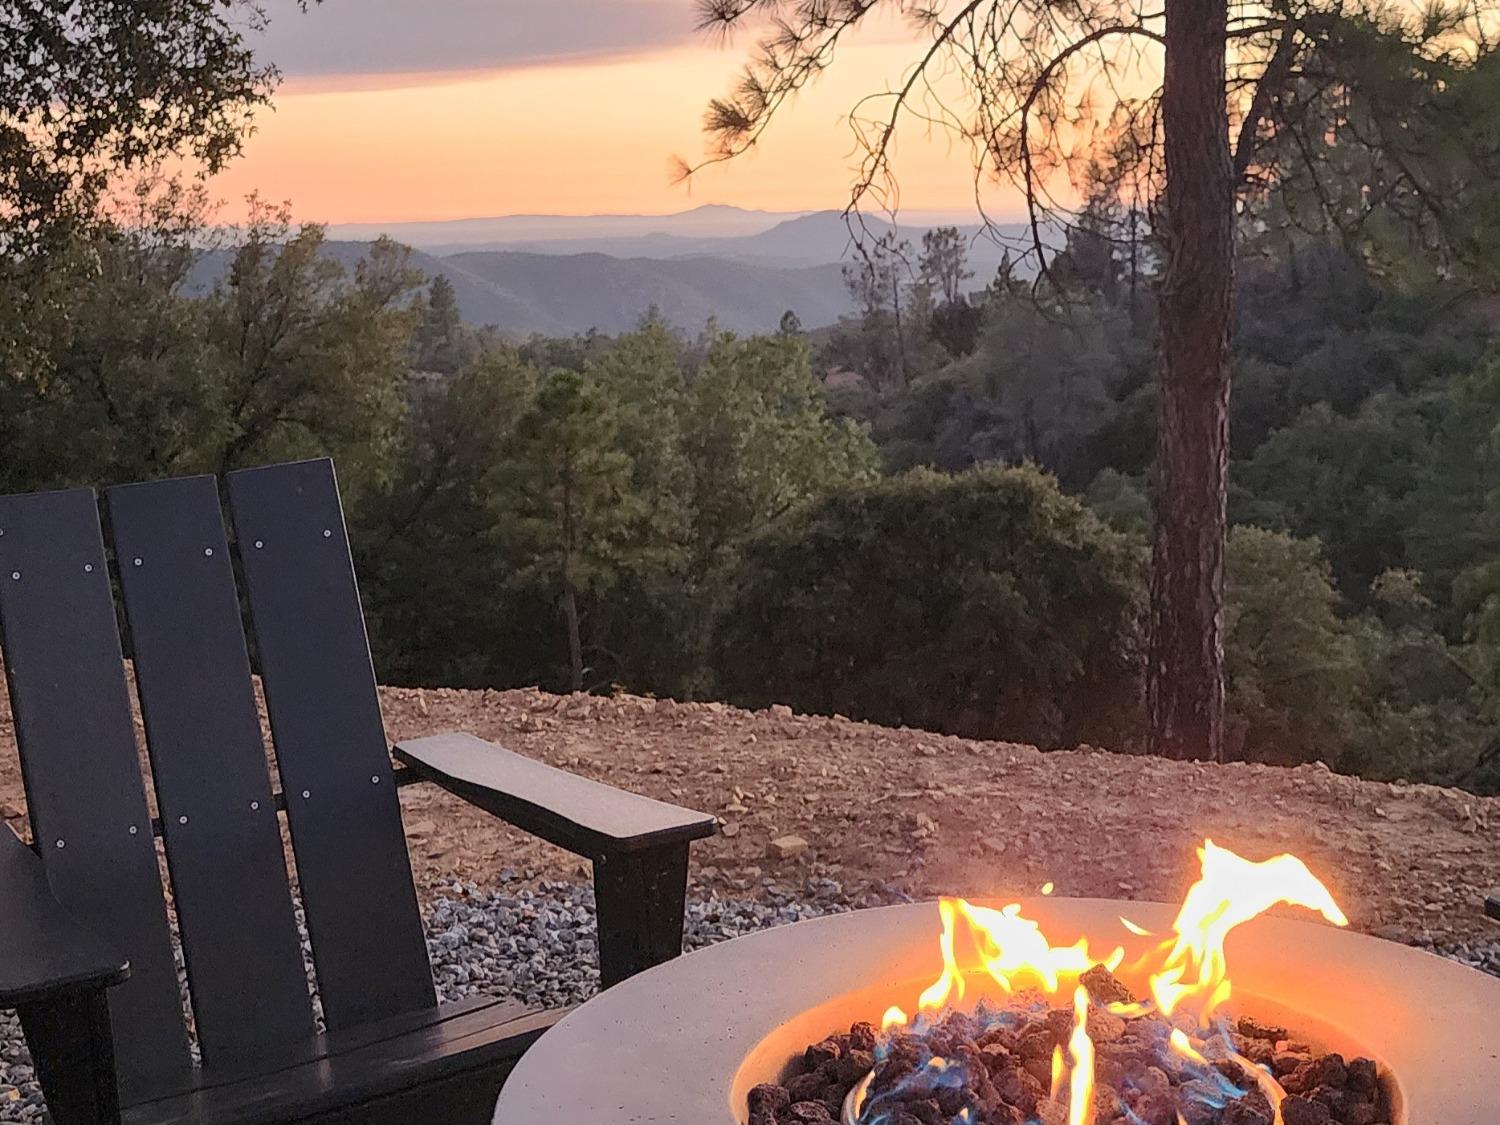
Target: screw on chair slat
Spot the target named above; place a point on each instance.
(208, 764)
(84, 788)
(355, 877)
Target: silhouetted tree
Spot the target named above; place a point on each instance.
(1037, 74)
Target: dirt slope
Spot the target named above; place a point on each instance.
(883, 809)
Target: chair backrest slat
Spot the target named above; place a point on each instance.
(81, 768)
(345, 819)
(208, 764)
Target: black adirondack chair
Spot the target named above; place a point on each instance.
(86, 944)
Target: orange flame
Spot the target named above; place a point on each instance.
(1009, 948)
(1081, 1054)
(1232, 890)
(1184, 1046)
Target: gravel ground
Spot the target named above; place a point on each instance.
(533, 941)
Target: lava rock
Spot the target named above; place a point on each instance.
(1297, 1110)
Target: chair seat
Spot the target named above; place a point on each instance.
(447, 1062)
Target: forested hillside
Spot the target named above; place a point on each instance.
(521, 293)
(520, 280)
(931, 514)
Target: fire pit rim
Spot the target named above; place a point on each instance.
(671, 1043)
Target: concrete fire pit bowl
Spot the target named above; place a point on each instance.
(685, 1042)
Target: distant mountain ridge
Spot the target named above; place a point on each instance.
(504, 232)
(785, 238)
(610, 276)
(564, 294)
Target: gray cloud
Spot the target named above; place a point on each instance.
(361, 39)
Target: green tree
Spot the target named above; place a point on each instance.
(436, 589)
(110, 377)
(1349, 481)
(129, 376)
(758, 441)
(942, 270)
(312, 358)
(566, 502)
(440, 342)
(91, 92)
(1035, 77)
(1052, 373)
(1429, 712)
(1456, 525)
(1294, 679)
(878, 281)
(986, 604)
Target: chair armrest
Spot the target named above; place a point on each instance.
(586, 817)
(44, 951)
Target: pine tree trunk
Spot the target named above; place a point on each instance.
(1185, 676)
(575, 641)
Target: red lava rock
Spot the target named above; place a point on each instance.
(1037, 1043)
(819, 1053)
(1327, 1070)
(1364, 1078)
(806, 1087)
(1104, 1026)
(808, 1113)
(1021, 1089)
(1252, 1028)
(1284, 1062)
(849, 1069)
(1157, 1109)
(1245, 1112)
(765, 1101)
(995, 1068)
(1297, 1110)
(1104, 988)
(862, 1036)
(1154, 1080)
(1258, 1051)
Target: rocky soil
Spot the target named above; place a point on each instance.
(824, 813)
(881, 810)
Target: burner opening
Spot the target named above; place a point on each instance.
(810, 1056)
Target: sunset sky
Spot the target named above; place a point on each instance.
(436, 109)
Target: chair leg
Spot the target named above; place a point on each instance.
(641, 897)
(72, 1049)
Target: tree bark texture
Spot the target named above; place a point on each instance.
(575, 641)
(1185, 676)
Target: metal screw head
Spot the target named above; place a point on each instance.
(254, 806)
(135, 562)
(208, 552)
(182, 820)
(259, 543)
(62, 843)
(15, 575)
(327, 532)
(374, 779)
(306, 793)
(133, 830)
(88, 568)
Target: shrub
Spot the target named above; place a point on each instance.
(1293, 676)
(985, 604)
